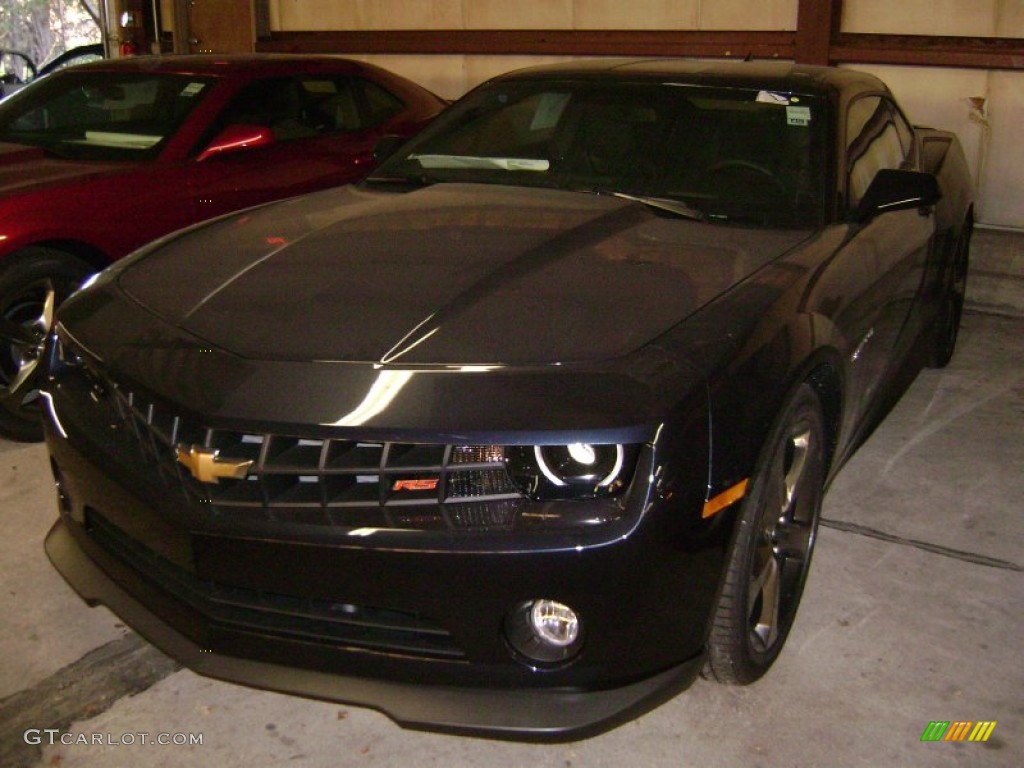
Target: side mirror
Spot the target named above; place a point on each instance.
(386, 146)
(893, 190)
(236, 138)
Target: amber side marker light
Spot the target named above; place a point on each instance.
(726, 498)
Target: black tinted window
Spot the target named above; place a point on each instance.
(733, 154)
(101, 115)
(300, 107)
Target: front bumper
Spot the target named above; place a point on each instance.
(407, 622)
(541, 714)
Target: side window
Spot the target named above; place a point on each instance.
(312, 105)
(329, 104)
(276, 103)
(378, 104)
(877, 137)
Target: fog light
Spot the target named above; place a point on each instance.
(555, 623)
(544, 631)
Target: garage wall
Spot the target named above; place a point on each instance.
(451, 76)
(985, 108)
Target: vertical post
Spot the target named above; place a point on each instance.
(817, 26)
(182, 27)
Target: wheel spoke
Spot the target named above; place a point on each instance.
(45, 321)
(765, 601)
(796, 463)
(26, 349)
(19, 390)
(784, 538)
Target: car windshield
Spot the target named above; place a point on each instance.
(101, 115)
(745, 156)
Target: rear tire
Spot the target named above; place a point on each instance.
(947, 326)
(771, 550)
(33, 283)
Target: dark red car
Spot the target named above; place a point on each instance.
(97, 160)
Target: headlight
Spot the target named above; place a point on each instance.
(574, 470)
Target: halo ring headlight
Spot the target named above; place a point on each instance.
(571, 470)
(579, 463)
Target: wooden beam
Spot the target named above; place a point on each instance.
(930, 51)
(581, 42)
(806, 45)
(817, 25)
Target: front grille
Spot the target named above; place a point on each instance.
(291, 617)
(324, 481)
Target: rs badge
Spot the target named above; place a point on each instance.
(207, 467)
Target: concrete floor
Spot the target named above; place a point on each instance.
(912, 614)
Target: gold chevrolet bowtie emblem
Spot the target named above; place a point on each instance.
(206, 467)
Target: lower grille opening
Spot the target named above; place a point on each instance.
(287, 616)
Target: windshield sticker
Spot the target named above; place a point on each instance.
(798, 115)
(482, 163)
(549, 111)
(767, 97)
(118, 140)
(319, 86)
(192, 89)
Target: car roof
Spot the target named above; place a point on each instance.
(770, 75)
(222, 65)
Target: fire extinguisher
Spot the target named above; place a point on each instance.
(128, 34)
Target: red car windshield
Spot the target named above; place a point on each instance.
(101, 115)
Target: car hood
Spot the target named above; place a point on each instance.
(24, 168)
(452, 274)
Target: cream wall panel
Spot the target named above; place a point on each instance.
(922, 17)
(451, 76)
(1001, 200)
(770, 15)
(314, 15)
(412, 14)
(636, 14)
(1010, 18)
(526, 14)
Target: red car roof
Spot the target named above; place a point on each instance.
(217, 64)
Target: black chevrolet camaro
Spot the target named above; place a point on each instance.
(522, 433)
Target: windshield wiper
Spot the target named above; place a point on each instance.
(669, 204)
(678, 207)
(412, 180)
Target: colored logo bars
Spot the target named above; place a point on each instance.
(958, 730)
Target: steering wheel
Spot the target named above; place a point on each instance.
(747, 165)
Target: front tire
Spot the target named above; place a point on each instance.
(771, 550)
(33, 283)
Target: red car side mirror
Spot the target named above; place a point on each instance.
(236, 138)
